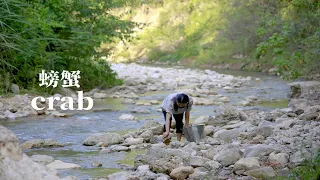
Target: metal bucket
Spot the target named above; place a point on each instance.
(194, 133)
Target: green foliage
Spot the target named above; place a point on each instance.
(58, 35)
(280, 33)
(308, 170)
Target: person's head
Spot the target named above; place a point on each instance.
(182, 100)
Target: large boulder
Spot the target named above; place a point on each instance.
(106, 138)
(16, 165)
(304, 94)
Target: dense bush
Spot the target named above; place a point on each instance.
(58, 35)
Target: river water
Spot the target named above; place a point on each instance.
(76, 128)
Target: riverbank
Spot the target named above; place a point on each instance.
(244, 138)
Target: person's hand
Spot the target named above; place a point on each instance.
(165, 135)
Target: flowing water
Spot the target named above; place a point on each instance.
(75, 129)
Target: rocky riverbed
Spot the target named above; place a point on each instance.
(251, 132)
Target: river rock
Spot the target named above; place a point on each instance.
(16, 165)
(100, 95)
(40, 143)
(117, 148)
(146, 135)
(197, 161)
(309, 116)
(202, 120)
(128, 101)
(227, 135)
(181, 173)
(264, 131)
(245, 164)
(212, 165)
(297, 157)
(286, 124)
(108, 138)
(130, 95)
(213, 141)
(204, 101)
(229, 89)
(140, 111)
(123, 175)
(57, 114)
(154, 126)
(133, 141)
(263, 173)
(228, 113)
(228, 156)
(96, 164)
(258, 150)
(161, 160)
(70, 178)
(42, 159)
(279, 159)
(304, 94)
(310, 113)
(208, 130)
(29, 110)
(57, 164)
(150, 123)
(199, 174)
(273, 71)
(14, 88)
(127, 117)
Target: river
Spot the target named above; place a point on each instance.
(271, 90)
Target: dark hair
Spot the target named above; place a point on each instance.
(180, 98)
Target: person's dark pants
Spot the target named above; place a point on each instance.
(178, 118)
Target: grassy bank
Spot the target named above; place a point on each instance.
(307, 170)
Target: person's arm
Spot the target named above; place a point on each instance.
(168, 115)
(187, 116)
(187, 113)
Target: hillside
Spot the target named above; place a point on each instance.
(248, 35)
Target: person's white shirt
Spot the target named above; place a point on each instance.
(168, 105)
